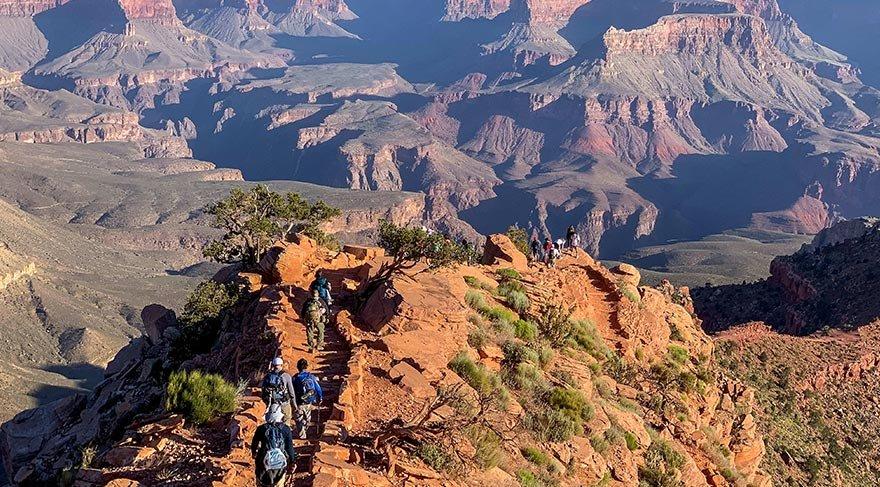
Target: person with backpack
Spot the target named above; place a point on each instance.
(569, 236)
(548, 250)
(277, 390)
(314, 314)
(272, 450)
(575, 242)
(535, 247)
(323, 286)
(308, 394)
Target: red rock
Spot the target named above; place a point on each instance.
(124, 456)
(411, 380)
(499, 250)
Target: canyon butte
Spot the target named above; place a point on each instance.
(705, 141)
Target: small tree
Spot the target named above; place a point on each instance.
(203, 316)
(199, 396)
(253, 220)
(408, 246)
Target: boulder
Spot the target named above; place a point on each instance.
(500, 250)
(411, 380)
(156, 319)
(364, 253)
(628, 274)
(124, 456)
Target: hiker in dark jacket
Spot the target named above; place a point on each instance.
(308, 395)
(314, 315)
(535, 247)
(272, 449)
(277, 389)
(323, 286)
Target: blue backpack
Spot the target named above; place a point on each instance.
(305, 385)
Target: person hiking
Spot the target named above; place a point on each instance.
(548, 250)
(323, 286)
(535, 247)
(272, 450)
(277, 390)
(308, 394)
(554, 254)
(569, 236)
(575, 242)
(314, 314)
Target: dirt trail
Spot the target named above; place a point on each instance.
(328, 365)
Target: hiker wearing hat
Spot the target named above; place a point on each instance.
(278, 390)
(272, 449)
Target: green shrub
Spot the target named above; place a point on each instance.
(508, 274)
(552, 425)
(525, 330)
(478, 338)
(518, 301)
(545, 356)
(528, 478)
(200, 397)
(615, 435)
(588, 339)
(678, 354)
(631, 294)
(475, 300)
(487, 446)
(525, 377)
(515, 353)
(535, 456)
(202, 317)
(662, 463)
(500, 314)
(436, 457)
(571, 402)
(484, 381)
(554, 323)
(599, 443)
(632, 443)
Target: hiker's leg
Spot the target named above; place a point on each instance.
(287, 411)
(321, 326)
(302, 420)
(310, 335)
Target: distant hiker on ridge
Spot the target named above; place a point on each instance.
(278, 390)
(548, 250)
(308, 394)
(569, 236)
(314, 314)
(535, 247)
(272, 450)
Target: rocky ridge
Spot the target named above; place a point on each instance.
(380, 351)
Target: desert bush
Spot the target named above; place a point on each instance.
(199, 396)
(545, 356)
(535, 456)
(476, 300)
(516, 352)
(436, 457)
(632, 443)
(500, 314)
(662, 463)
(487, 446)
(587, 338)
(599, 443)
(571, 402)
(517, 301)
(548, 424)
(525, 377)
(202, 317)
(508, 273)
(478, 338)
(477, 284)
(484, 381)
(525, 330)
(554, 323)
(679, 354)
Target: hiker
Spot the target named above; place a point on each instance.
(555, 252)
(560, 245)
(278, 390)
(535, 247)
(575, 242)
(323, 286)
(569, 236)
(314, 314)
(272, 450)
(308, 394)
(548, 250)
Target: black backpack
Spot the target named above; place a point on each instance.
(274, 391)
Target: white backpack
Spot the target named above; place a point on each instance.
(275, 458)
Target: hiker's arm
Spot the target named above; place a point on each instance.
(318, 391)
(291, 391)
(255, 443)
(288, 445)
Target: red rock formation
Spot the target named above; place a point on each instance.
(154, 11)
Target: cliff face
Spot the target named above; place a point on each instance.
(154, 11)
(457, 10)
(827, 284)
(27, 8)
(399, 355)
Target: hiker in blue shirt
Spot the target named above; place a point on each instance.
(308, 395)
